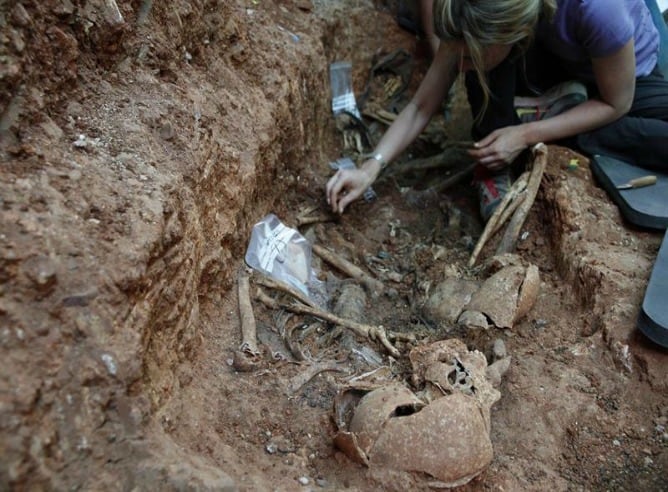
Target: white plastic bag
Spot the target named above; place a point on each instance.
(280, 252)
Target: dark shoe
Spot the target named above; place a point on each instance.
(557, 100)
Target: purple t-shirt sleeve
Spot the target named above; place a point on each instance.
(604, 27)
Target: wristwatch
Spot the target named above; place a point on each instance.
(381, 160)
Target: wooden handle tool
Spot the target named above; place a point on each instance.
(638, 183)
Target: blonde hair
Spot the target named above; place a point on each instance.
(479, 23)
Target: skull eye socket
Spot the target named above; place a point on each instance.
(404, 411)
(459, 377)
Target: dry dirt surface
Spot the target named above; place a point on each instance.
(140, 143)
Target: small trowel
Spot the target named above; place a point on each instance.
(638, 183)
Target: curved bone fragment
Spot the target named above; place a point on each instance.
(448, 439)
(528, 292)
(497, 298)
(376, 407)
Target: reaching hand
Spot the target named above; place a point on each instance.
(499, 148)
(346, 186)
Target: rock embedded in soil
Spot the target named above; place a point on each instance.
(351, 302)
(497, 370)
(499, 349)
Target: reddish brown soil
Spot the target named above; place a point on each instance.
(119, 256)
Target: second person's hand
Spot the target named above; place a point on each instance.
(500, 148)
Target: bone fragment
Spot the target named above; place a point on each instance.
(248, 327)
(509, 239)
(112, 13)
(454, 179)
(509, 211)
(144, 10)
(510, 201)
(373, 286)
(377, 333)
(453, 156)
(314, 219)
(304, 377)
(271, 283)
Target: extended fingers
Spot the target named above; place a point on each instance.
(334, 188)
(330, 186)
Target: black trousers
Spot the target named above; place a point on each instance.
(640, 137)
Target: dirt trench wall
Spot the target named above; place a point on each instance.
(606, 263)
(136, 158)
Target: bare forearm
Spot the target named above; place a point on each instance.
(415, 116)
(615, 81)
(585, 117)
(408, 125)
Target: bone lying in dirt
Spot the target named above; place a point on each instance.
(248, 327)
(311, 215)
(301, 379)
(508, 205)
(287, 327)
(315, 219)
(377, 333)
(270, 283)
(373, 286)
(509, 239)
(510, 209)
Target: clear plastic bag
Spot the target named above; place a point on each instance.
(281, 253)
(341, 82)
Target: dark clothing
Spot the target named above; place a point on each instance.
(640, 137)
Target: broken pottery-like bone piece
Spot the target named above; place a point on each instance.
(451, 367)
(504, 298)
(448, 439)
(497, 298)
(473, 320)
(378, 406)
(448, 299)
(528, 292)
